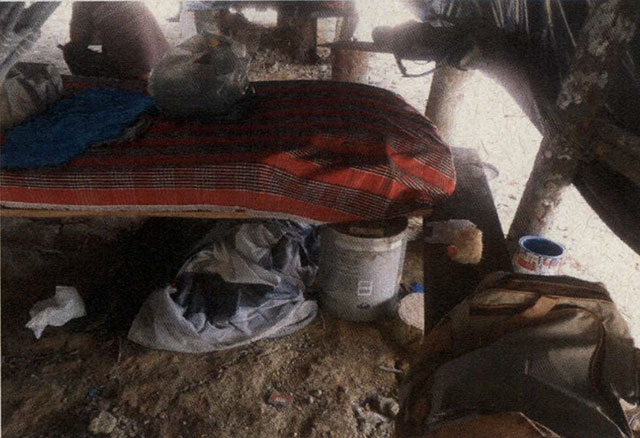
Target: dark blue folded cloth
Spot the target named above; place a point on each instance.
(69, 127)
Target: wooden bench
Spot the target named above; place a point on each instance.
(447, 282)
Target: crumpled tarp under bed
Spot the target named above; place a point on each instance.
(312, 150)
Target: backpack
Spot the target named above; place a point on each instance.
(524, 356)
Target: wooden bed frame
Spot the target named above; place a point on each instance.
(238, 214)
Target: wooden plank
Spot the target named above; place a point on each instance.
(447, 282)
(358, 46)
(48, 213)
(33, 213)
(373, 47)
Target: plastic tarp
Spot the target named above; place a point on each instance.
(242, 283)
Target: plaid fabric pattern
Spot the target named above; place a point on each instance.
(317, 150)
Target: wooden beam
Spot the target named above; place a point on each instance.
(609, 26)
(361, 46)
(33, 213)
(194, 214)
(447, 282)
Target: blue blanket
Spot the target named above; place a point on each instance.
(68, 128)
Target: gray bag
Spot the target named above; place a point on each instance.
(204, 76)
(554, 349)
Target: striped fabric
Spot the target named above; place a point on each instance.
(314, 150)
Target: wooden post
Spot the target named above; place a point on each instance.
(349, 65)
(609, 26)
(305, 32)
(445, 97)
(447, 282)
(301, 28)
(346, 27)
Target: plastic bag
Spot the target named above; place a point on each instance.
(205, 76)
(244, 283)
(29, 89)
(65, 305)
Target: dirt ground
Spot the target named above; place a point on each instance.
(333, 370)
(336, 372)
(56, 386)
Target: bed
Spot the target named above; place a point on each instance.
(317, 151)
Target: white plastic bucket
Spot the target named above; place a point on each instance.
(359, 276)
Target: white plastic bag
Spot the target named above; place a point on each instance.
(243, 283)
(65, 305)
(204, 76)
(29, 89)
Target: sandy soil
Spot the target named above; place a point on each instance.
(56, 386)
(334, 371)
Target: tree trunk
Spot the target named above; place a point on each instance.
(445, 97)
(348, 65)
(608, 28)
(553, 171)
(619, 149)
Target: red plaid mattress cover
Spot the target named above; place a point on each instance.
(316, 150)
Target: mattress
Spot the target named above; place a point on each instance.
(318, 151)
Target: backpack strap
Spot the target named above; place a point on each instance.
(531, 315)
(503, 424)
